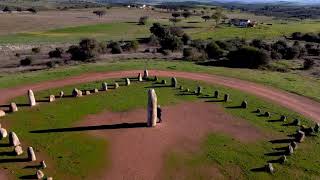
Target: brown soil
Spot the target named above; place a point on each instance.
(138, 152)
(300, 104)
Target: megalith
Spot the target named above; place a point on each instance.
(32, 100)
(13, 107)
(128, 82)
(76, 93)
(139, 77)
(2, 113)
(152, 108)
(104, 86)
(13, 139)
(174, 82)
(39, 174)
(145, 74)
(116, 86)
(31, 154)
(18, 150)
(52, 98)
(3, 133)
(61, 94)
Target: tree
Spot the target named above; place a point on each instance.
(186, 39)
(174, 20)
(175, 15)
(100, 13)
(206, 18)
(308, 64)
(217, 16)
(186, 14)
(171, 43)
(87, 49)
(213, 50)
(57, 53)
(159, 30)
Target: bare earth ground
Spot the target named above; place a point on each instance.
(300, 104)
(137, 152)
(45, 20)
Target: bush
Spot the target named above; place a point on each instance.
(171, 43)
(223, 45)
(35, 50)
(193, 54)
(131, 46)
(153, 40)
(115, 47)
(280, 47)
(292, 52)
(176, 31)
(159, 30)
(143, 20)
(32, 10)
(308, 64)
(26, 61)
(275, 55)
(186, 39)
(213, 51)
(248, 57)
(7, 9)
(87, 49)
(57, 53)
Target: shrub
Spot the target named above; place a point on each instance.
(275, 55)
(280, 47)
(7, 9)
(171, 43)
(32, 10)
(115, 47)
(159, 30)
(57, 53)
(100, 13)
(223, 45)
(292, 52)
(132, 46)
(35, 50)
(186, 39)
(19, 9)
(26, 61)
(308, 64)
(176, 31)
(87, 49)
(153, 40)
(297, 35)
(213, 50)
(175, 15)
(248, 57)
(143, 20)
(186, 14)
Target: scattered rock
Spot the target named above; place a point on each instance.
(61, 94)
(152, 108)
(116, 86)
(258, 110)
(39, 174)
(226, 97)
(188, 90)
(155, 78)
(3, 133)
(216, 94)
(13, 139)
(269, 168)
(52, 98)
(49, 178)
(87, 92)
(43, 165)
(307, 130)
(32, 100)
(181, 87)
(140, 77)
(18, 150)
(300, 136)
(145, 74)
(31, 154)
(174, 82)
(128, 82)
(283, 118)
(244, 104)
(2, 113)
(104, 86)
(13, 107)
(317, 128)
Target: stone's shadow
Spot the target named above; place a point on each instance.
(43, 100)
(32, 167)
(163, 86)
(23, 105)
(274, 161)
(5, 145)
(277, 120)
(278, 153)
(205, 97)
(259, 169)
(281, 148)
(13, 160)
(5, 105)
(234, 107)
(11, 153)
(279, 141)
(28, 177)
(185, 94)
(91, 128)
(215, 101)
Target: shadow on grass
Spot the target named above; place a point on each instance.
(274, 161)
(215, 100)
(278, 153)
(32, 167)
(28, 177)
(5, 145)
(259, 169)
(154, 86)
(277, 120)
(234, 107)
(91, 128)
(11, 153)
(185, 94)
(12, 160)
(280, 141)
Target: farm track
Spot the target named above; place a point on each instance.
(297, 103)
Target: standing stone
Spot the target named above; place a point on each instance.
(283, 118)
(181, 88)
(52, 98)
(76, 93)
(87, 92)
(174, 82)
(155, 78)
(43, 165)
(32, 100)
(267, 114)
(96, 90)
(39, 174)
(128, 82)
(61, 94)
(244, 104)
(290, 150)
(31, 154)
(2, 113)
(13, 139)
(49, 178)
(18, 150)
(145, 74)
(199, 90)
(116, 86)
(13, 107)
(216, 94)
(187, 90)
(104, 86)
(317, 128)
(3, 133)
(163, 82)
(269, 168)
(283, 159)
(300, 136)
(140, 77)
(296, 122)
(258, 110)
(152, 108)
(226, 97)
(294, 145)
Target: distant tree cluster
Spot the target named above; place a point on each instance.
(309, 37)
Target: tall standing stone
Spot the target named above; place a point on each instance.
(300, 136)
(32, 100)
(174, 82)
(13, 107)
(216, 94)
(104, 86)
(61, 94)
(116, 86)
(199, 90)
(152, 108)
(139, 77)
(13, 139)
(31, 154)
(128, 82)
(145, 74)
(226, 97)
(43, 164)
(3, 133)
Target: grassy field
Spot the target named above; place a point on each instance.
(291, 82)
(68, 157)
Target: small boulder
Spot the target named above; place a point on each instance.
(269, 168)
(181, 88)
(199, 90)
(258, 110)
(188, 90)
(13, 107)
(18, 150)
(31, 154)
(294, 145)
(43, 164)
(96, 90)
(156, 78)
(52, 98)
(76, 93)
(49, 178)
(2, 113)
(283, 159)
(13, 139)
(163, 82)
(317, 127)
(87, 92)
(296, 122)
(267, 114)
(3, 133)
(39, 174)
(289, 150)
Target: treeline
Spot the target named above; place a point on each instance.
(309, 37)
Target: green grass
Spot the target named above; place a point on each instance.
(76, 154)
(291, 82)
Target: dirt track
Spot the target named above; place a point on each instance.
(300, 104)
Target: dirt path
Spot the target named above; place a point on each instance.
(300, 104)
(138, 152)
